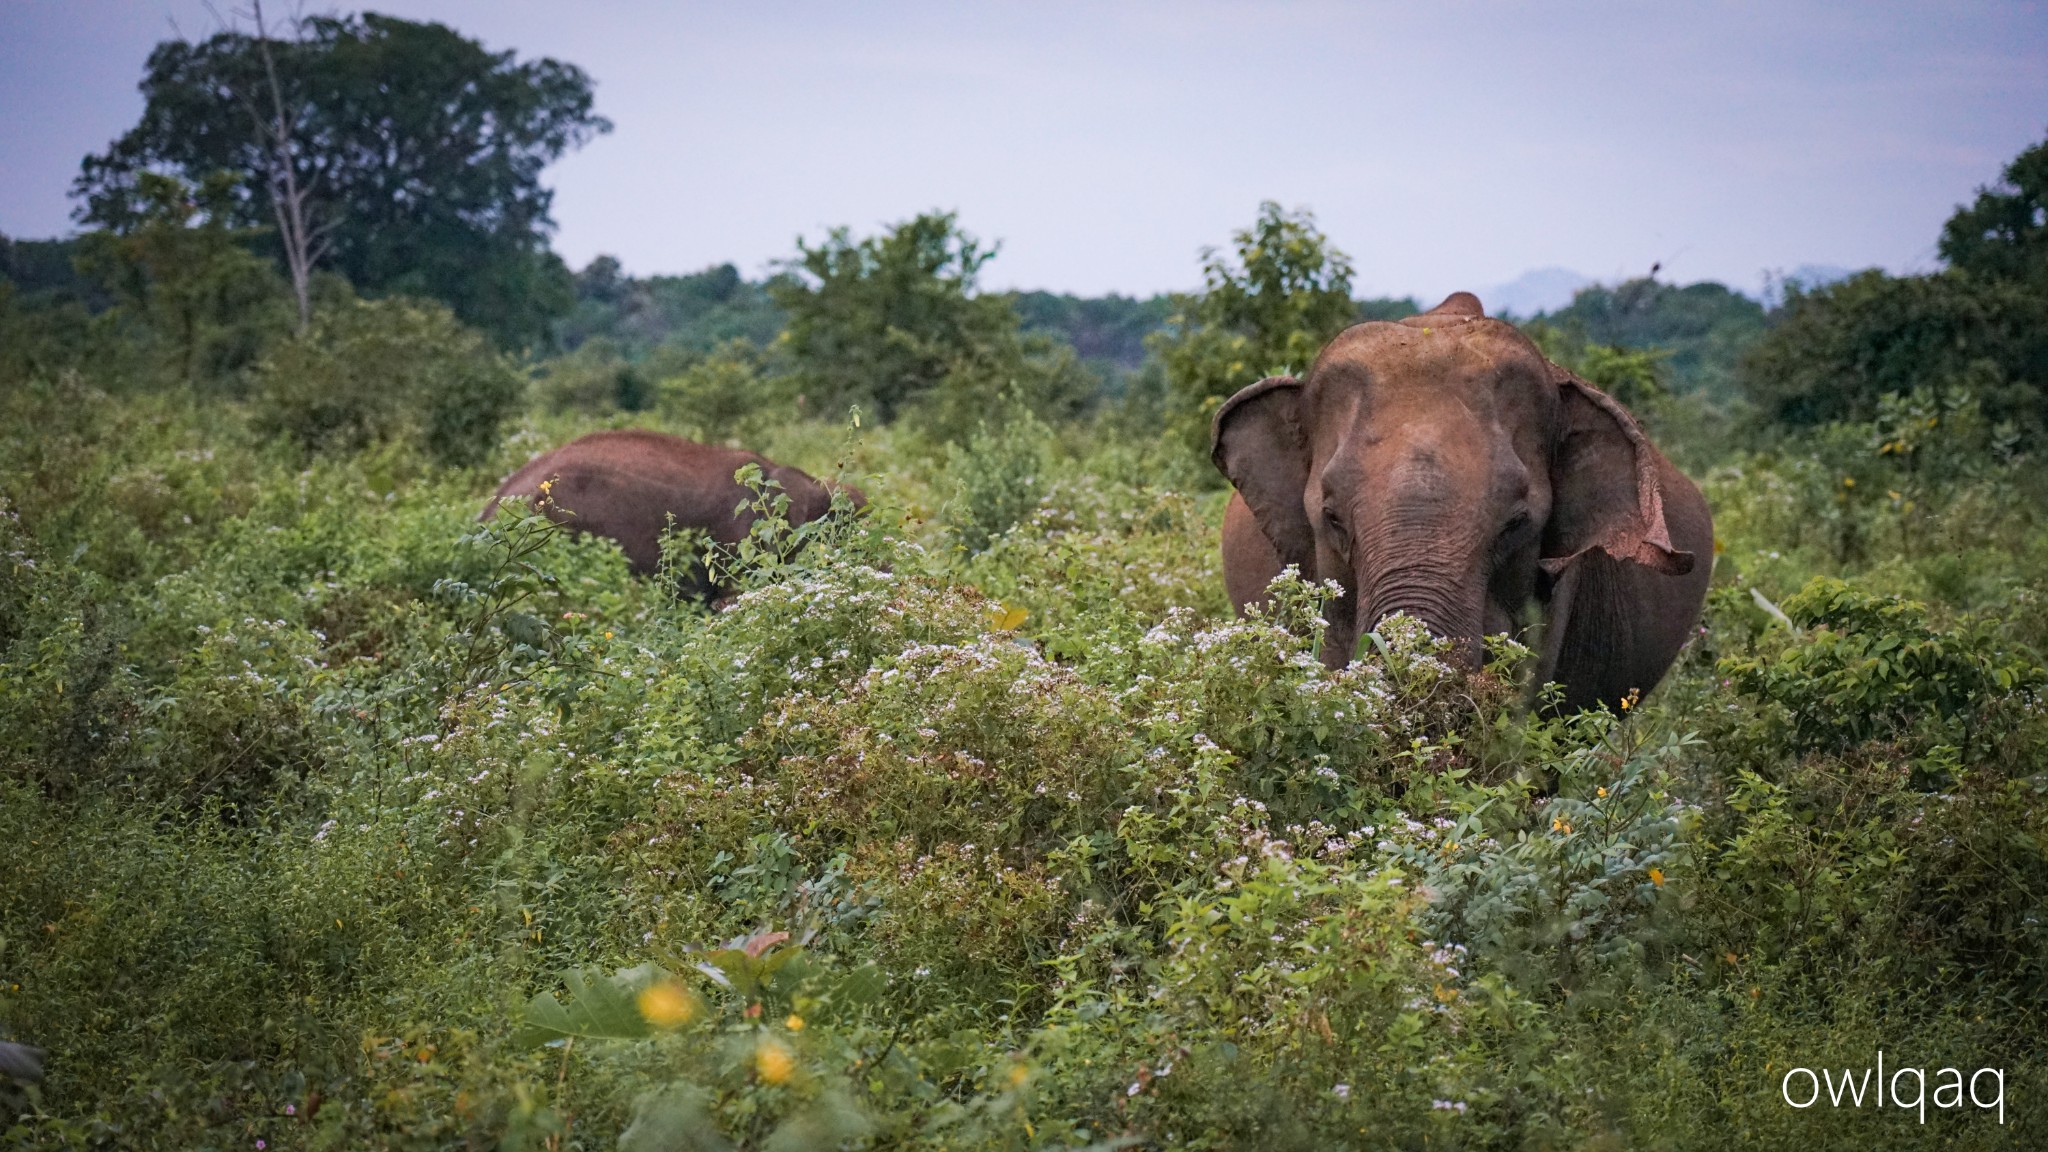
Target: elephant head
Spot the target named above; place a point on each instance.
(1442, 467)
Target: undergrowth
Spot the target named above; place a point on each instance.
(332, 818)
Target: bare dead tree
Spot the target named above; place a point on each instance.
(303, 236)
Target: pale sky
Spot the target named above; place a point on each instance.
(1443, 145)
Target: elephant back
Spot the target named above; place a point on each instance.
(627, 484)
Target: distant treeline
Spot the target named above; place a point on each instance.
(1703, 329)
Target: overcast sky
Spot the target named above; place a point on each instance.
(1444, 144)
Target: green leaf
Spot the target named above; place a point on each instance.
(600, 1007)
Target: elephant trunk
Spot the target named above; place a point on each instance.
(1423, 562)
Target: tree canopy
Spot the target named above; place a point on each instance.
(691, 313)
(423, 151)
(1269, 310)
(1977, 331)
(1834, 353)
(882, 320)
(1107, 329)
(2004, 234)
(204, 302)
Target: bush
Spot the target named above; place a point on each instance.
(997, 477)
(332, 817)
(881, 321)
(595, 379)
(1868, 667)
(372, 371)
(66, 698)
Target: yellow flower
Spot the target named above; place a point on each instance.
(667, 1005)
(1657, 877)
(1019, 1073)
(546, 486)
(1560, 824)
(773, 1061)
(1601, 792)
(607, 635)
(1446, 994)
(795, 1023)
(1848, 481)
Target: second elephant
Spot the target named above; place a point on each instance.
(625, 485)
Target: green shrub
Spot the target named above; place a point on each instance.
(370, 371)
(66, 697)
(1866, 668)
(997, 477)
(1832, 353)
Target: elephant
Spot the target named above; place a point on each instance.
(1442, 467)
(626, 484)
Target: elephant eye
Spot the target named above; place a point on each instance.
(1513, 532)
(1335, 523)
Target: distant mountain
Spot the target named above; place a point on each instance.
(1536, 291)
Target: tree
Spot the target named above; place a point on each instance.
(1976, 333)
(2004, 235)
(411, 152)
(1270, 312)
(1107, 329)
(882, 321)
(1834, 353)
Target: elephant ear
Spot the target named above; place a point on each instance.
(1258, 441)
(1605, 490)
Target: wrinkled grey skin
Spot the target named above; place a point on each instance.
(626, 484)
(1441, 467)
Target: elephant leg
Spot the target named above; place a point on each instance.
(1249, 560)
